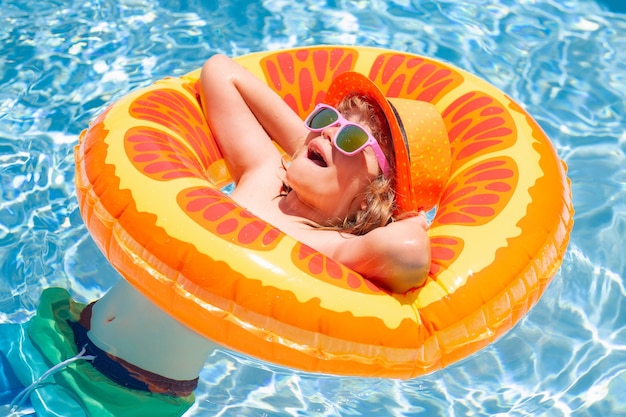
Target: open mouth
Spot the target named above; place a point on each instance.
(316, 157)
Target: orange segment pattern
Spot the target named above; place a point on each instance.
(478, 193)
(409, 76)
(211, 210)
(148, 193)
(302, 77)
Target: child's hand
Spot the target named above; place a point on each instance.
(421, 216)
(418, 218)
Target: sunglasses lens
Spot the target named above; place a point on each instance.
(351, 138)
(322, 118)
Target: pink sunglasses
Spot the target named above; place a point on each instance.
(350, 138)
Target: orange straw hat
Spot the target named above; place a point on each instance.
(420, 141)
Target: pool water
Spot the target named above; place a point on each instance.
(61, 63)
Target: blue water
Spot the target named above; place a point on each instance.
(61, 62)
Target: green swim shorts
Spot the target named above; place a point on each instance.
(79, 389)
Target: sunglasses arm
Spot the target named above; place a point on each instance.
(380, 156)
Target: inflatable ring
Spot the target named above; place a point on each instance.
(149, 180)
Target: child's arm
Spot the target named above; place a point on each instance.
(395, 257)
(243, 113)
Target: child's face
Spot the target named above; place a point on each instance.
(327, 179)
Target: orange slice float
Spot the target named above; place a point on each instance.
(148, 182)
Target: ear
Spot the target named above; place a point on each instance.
(363, 205)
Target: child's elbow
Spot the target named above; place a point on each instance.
(415, 269)
(413, 279)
